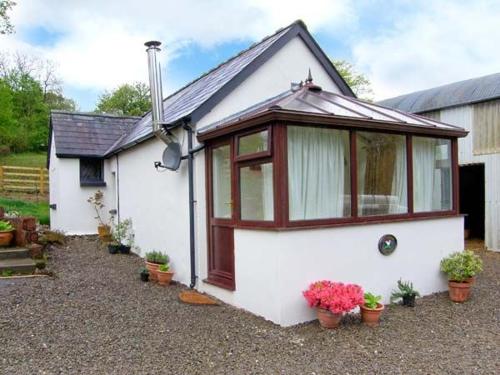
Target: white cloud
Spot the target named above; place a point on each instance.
(101, 42)
(440, 43)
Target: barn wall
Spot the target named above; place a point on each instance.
(464, 117)
(273, 268)
(74, 215)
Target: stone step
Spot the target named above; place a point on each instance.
(21, 265)
(13, 252)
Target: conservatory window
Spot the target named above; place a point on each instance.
(256, 192)
(254, 144)
(431, 174)
(221, 182)
(318, 173)
(381, 173)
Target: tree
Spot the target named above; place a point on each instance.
(5, 25)
(128, 99)
(358, 82)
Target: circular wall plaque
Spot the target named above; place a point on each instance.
(387, 244)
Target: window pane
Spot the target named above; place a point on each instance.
(256, 184)
(319, 185)
(221, 182)
(91, 170)
(382, 184)
(431, 174)
(250, 144)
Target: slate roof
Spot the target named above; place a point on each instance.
(310, 99)
(201, 95)
(454, 94)
(87, 134)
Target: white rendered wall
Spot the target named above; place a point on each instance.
(74, 215)
(272, 268)
(157, 203)
(463, 117)
(289, 64)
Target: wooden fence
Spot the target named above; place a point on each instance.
(24, 179)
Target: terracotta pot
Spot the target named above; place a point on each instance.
(6, 237)
(104, 232)
(164, 278)
(371, 317)
(459, 292)
(471, 280)
(327, 319)
(153, 269)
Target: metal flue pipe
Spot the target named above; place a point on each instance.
(156, 91)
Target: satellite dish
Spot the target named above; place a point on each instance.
(172, 156)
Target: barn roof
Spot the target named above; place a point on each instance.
(310, 100)
(454, 94)
(87, 134)
(199, 96)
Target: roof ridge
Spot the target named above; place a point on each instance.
(439, 87)
(91, 114)
(253, 45)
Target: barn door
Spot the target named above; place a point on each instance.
(221, 217)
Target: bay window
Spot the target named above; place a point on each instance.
(256, 192)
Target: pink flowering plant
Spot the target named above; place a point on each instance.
(334, 296)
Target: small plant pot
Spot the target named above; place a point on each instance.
(125, 249)
(113, 249)
(153, 269)
(164, 278)
(144, 276)
(104, 232)
(371, 317)
(409, 301)
(327, 319)
(471, 280)
(6, 237)
(459, 292)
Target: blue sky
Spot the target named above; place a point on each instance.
(401, 46)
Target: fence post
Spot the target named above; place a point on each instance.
(1, 177)
(42, 187)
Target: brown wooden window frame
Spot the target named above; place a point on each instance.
(278, 155)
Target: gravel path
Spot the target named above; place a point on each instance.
(96, 317)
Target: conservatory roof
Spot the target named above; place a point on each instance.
(311, 103)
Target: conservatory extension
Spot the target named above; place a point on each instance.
(303, 186)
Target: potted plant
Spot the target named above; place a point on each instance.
(6, 233)
(103, 229)
(406, 292)
(122, 233)
(153, 261)
(113, 246)
(332, 300)
(164, 274)
(461, 268)
(144, 274)
(371, 310)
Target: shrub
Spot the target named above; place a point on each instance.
(122, 232)
(52, 237)
(405, 289)
(461, 265)
(371, 300)
(334, 296)
(5, 226)
(157, 257)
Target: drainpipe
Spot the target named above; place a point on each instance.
(190, 158)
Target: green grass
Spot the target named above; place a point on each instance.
(25, 159)
(40, 210)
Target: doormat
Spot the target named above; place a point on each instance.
(194, 298)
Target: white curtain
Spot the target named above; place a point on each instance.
(316, 173)
(425, 181)
(221, 182)
(267, 192)
(399, 182)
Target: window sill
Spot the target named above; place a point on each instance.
(93, 183)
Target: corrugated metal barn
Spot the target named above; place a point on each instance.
(473, 104)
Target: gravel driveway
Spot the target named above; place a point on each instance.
(96, 317)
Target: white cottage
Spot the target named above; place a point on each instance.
(277, 187)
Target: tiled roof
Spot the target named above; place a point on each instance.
(87, 134)
(454, 94)
(313, 100)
